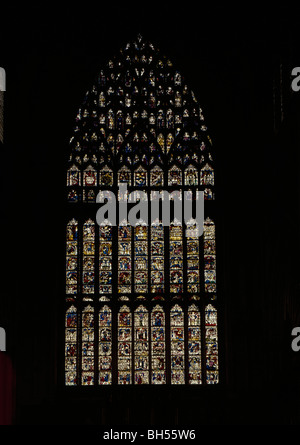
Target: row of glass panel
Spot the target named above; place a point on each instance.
(141, 338)
(90, 176)
(136, 271)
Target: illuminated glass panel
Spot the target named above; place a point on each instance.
(209, 256)
(156, 177)
(174, 176)
(194, 345)
(207, 175)
(105, 259)
(177, 345)
(176, 258)
(191, 175)
(158, 345)
(140, 177)
(124, 346)
(87, 346)
(72, 258)
(141, 346)
(89, 177)
(71, 347)
(124, 259)
(105, 346)
(88, 257)
(106, 177)
(73, 176)
(211, 343)
(124, 175)
(157, 258)
(141, 259)
(192, 250)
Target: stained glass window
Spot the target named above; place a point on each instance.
(151, 287)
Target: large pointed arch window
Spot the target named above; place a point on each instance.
(140, 300)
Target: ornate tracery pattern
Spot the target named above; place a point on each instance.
(149, 289)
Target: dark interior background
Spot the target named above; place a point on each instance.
(238, 63)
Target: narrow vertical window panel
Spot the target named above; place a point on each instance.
(105, 259)
(88, 258)
(71, 351)
(124, 346)
(192, 258)
(105, 346)
(209, 256)
(87, 346)
(124, 259)
(141, 259)
(211, 344)
(176, 258)
(158, 346)
(194, 345)
(141, 346)
(72, 258)
(177, 345)
(157, 273)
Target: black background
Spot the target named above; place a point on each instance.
(231, 60)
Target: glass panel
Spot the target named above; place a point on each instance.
(176, 258)
(141, 346)
(87, 347)
(105, 259)
(158, 346)
(194, 345)
(209, 256)
(124, 258)
(124, 346)
(211, 340)
(177, 345)
(157, 258)
(192, 250)
(72, 258)
(105, 346)
(141, 259)
(88, 258)
(71, 347)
